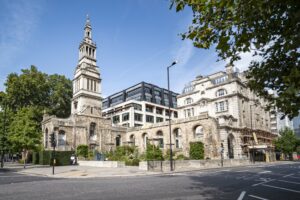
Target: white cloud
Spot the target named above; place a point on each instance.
(184, 53)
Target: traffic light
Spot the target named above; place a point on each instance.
(52, 140)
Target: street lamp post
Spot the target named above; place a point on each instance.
(170, 100)
(253, 160)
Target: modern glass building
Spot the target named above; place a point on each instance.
(142, 92)
(140, 104)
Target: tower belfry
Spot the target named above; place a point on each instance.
(87, 82)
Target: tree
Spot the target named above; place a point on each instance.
(52, 93)
(30, 88)
(288, 141)
(25, 131)
(5, 118)
(269, 29)
(60, 95)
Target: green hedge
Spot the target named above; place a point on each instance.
(83, 150)
(196, 150)
(44, 157)
(62, 157)
(35, 158)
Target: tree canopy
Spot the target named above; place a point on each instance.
(52, 93)
(23, 103)
(24, 131)
(287, 142)
(267, 28)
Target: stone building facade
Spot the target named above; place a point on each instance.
(86, 124)
(218, 110)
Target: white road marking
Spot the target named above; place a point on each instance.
(289, 182)
(264, 172)
(288, 175)
(243, 171)
(256, 197)
(281, 188)
(263, 182)
(241, 195)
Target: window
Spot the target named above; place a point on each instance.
(149, 108)
(118, 140)
(221, 92)
(75, 104)
(220, 80)
(188, 88)
(175, 114)
(116, 119)
(177, 137)
(92, 110)
(92, 129)
(138, 117)
(189, 101)
(88, 84)
(116, 100)
(61, 138)
(125, 117)
(199, 132)
(159, 119)
(157, 93)
(149, 119)
(95, 86)
(167, 112)
(137, 106)
(160, 138)
(145, 139)
(134, 92)
(105, 104)
(189, 112)
(147, 90)
(221, 106)
(148, 97)
(159, 111)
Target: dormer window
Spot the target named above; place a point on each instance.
(188, 101)
(221, 92)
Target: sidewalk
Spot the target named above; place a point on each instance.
(85, 172)
(96, 172)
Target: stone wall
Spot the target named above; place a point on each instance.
(181, 165)
(105, 164)
(210, 135)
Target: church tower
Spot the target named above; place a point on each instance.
(87, 98)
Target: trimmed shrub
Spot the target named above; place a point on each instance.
(153, 153)
(132, 162)
(181, 157)
(44, 157)
(62, 157)
(168, 153)
(196, 150)
(83, 150)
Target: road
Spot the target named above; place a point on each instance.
(273, 182)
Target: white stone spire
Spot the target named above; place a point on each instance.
(87, 82)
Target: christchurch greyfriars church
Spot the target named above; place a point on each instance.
(218, 110)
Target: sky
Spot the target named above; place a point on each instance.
(136, 41)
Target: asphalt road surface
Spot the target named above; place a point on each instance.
(274, 182)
